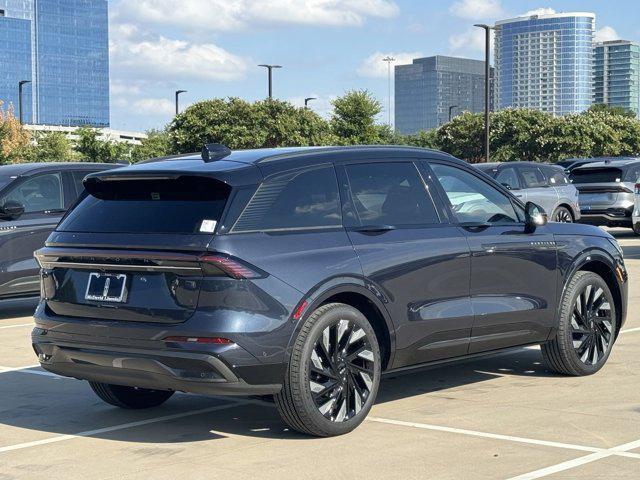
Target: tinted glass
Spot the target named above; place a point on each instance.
(294, 200)
(37, 194)
(187, 205)
(632, 174)
(471, 199)
(509, 177)
(596, 175)
(78, 176)
(556, 176)
(532, 177)
(4, 182)
(390, 194)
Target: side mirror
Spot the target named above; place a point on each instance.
(11, 210)
(535, 216)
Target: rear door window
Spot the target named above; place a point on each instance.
(390, 194)
(40, 193)
(532, 177)
(302, 199)
(186, 205)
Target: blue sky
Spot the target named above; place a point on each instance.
(212, 47)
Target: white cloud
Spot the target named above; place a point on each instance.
(470, 41)
(321, 105)
(154, 107)
(374, 67)
(139, 54)
(476, 9)
(227, 15)
(539, 11)
(606, 34)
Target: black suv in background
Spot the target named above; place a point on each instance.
(306, 273)
(33, 198)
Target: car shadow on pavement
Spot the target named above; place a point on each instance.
(65, 406)
(18, 308)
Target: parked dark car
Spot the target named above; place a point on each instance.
(33, 198)
(305, 273)
(543, 184)
(607, 192)
(570, 163)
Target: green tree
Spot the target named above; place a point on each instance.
(462, 137)
(91, 148)
(354, 118)
(240, 124)
(517, 134)
(612, 109)
(157, 144)
(52, 147)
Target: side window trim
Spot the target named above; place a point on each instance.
(233, 231)
(445, 201)
(349, 193)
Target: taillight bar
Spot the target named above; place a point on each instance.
(206, 340)
(231, 267)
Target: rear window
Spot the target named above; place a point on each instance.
(596, 175)
(186, 205)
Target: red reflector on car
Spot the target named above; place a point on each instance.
(214, 340)
(300, 310)
(229, 266)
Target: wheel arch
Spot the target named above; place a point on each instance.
(601, 264)
(568, 207)
(355, 294)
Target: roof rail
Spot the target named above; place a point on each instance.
(214, 151)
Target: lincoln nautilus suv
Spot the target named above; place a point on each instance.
(307, 274)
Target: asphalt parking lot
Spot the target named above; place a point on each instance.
(501, 417)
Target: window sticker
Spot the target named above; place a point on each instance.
(208, 226)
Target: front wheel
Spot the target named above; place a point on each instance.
(587, 327)
(130, 397)
(334, 373)
(562, 215)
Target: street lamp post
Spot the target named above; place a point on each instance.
(389, 59)
(21, 84)
(270, 70)
(487, 47)
(178, 92)
(451, 107)
(307, 100)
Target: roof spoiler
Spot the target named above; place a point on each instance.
(214, 151)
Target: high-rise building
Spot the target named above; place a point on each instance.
(62, 48)
(545, 62)
(617, 75)
(427, 88)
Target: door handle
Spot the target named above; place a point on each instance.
(374, 228)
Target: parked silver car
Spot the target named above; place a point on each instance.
(607, 191)
(544, 184)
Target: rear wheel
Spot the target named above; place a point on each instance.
(130, 397)
(334, 373)
(636, 228)
(562, 215)
(587, 327)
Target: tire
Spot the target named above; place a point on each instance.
(311, 401)
(586, 330)
(562, 215)
(130, 397)
(636, 228)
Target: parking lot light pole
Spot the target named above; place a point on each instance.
(451, 107)
(487, 47)
(307, 100)
(21, 84)
(178, 92)
(270, 70)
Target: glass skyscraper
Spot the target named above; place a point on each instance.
(545, 62)
(426, 88)
(62, 47)
(617, 75)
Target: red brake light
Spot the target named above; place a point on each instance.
(637, 188)
(229, 266)
(210, 340)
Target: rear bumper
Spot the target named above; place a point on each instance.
(102, 353)
(611, 218)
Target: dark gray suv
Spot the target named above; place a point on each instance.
(33, 198)
(307, 273)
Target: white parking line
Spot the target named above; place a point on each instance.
(630, 330)
(16, 326)
(509, 438)
(113, 428)
(18, 369)
(561, 467)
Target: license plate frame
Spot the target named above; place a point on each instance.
(107, 287)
